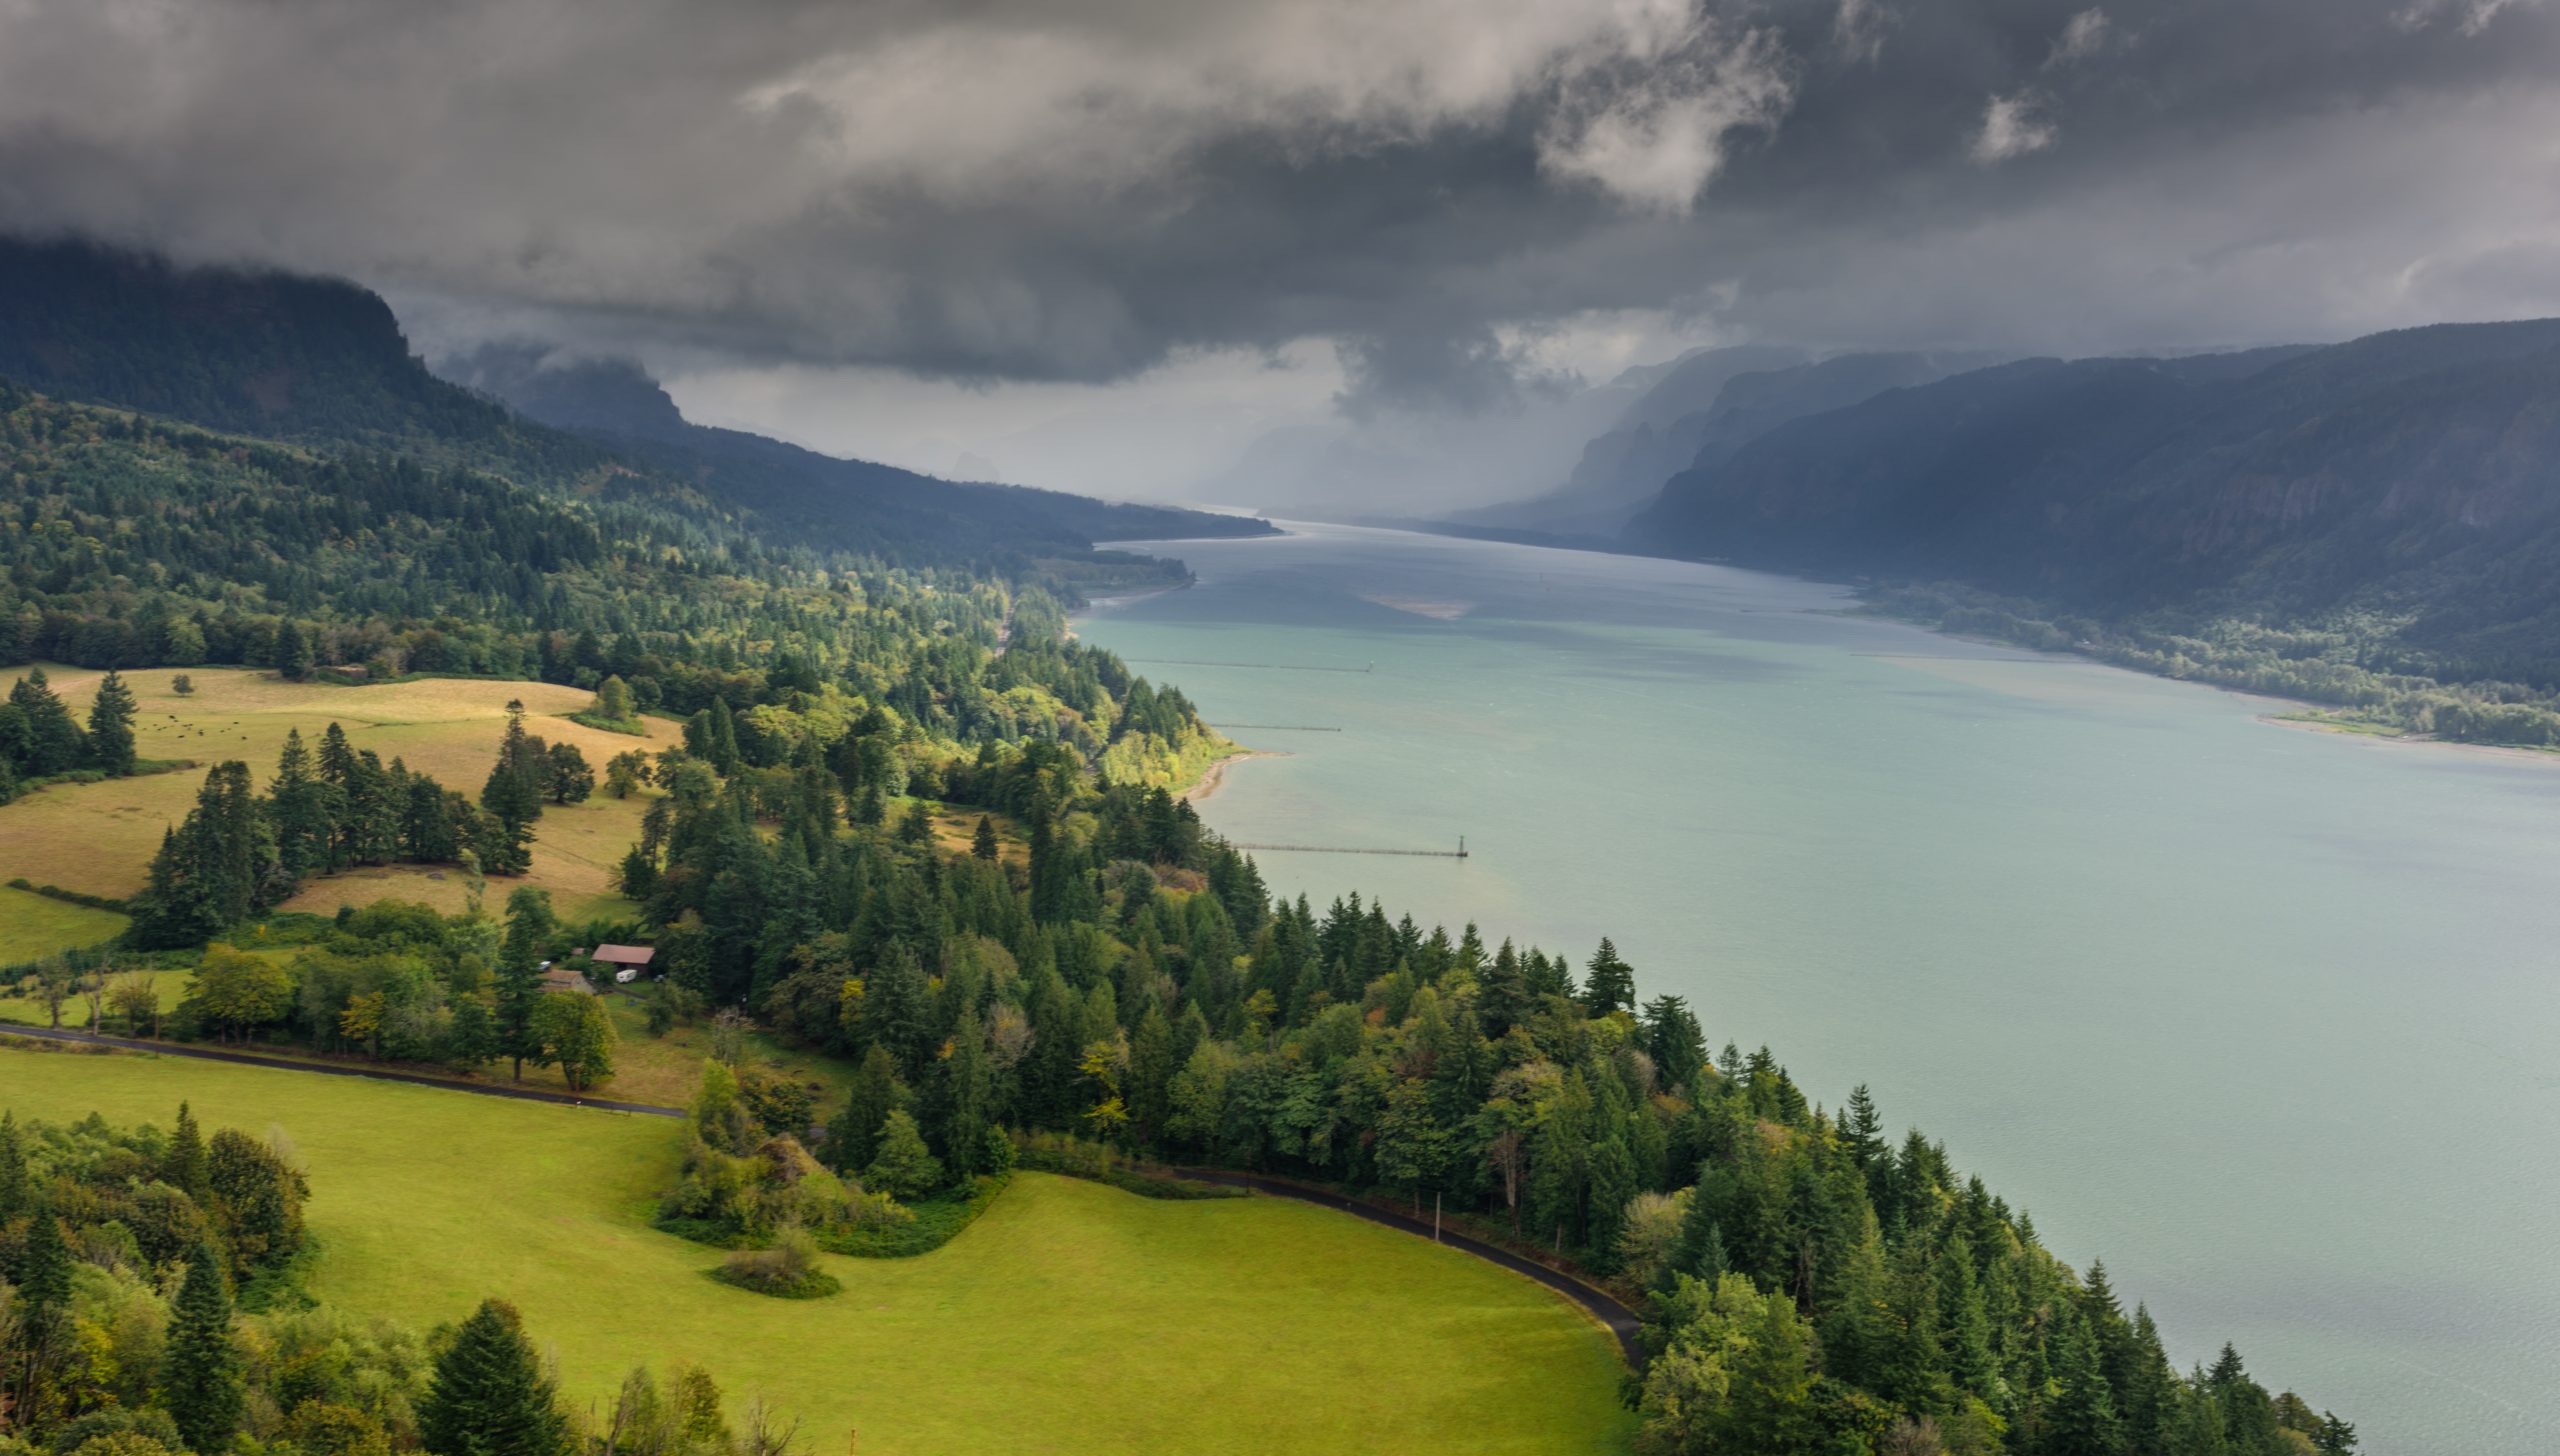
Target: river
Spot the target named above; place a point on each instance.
(2267, 1018)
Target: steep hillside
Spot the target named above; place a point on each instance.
(322, 362)
(2409, 481)
(1702, 410)
(614, 403)
(1624, 466)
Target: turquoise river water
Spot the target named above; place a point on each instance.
(2265, 1017)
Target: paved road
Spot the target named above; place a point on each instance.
(335, 1069)
(1622, 1321)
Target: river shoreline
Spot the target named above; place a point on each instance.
(1216, 777)
(2512, 753)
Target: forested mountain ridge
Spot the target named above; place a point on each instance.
(2396, 499)
(616, 404)
(322, 362)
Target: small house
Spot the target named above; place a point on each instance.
(556, 977)
(628, 962)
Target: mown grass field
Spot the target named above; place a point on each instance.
(1071, 1318)
(32, 926)
(99, 838)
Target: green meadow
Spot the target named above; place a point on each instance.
(1071, 1318)
(34, 926)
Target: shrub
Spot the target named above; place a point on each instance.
(788, 1270)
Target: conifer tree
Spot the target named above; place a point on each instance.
(530, 928)
(1504, 992)
(183, 1166)
(723, 738)
(488, 1396)
(1611, 985)
(965, 1095)
(1673, 1038)
(111, 747)
(52, 741)
(982, 843)
(44, 1268)
(15, 1189)
(2082, 1419)
(853, 1135)
(173, 908)
(292, 660)
(300, 809)
(916, 827)
(200, 1372)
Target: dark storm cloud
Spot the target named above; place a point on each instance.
(1071, 190)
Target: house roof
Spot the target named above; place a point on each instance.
(624, 955)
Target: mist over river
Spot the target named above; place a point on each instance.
(2267, 1018)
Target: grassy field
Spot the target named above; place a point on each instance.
(28, 1011)
(99, 838)
(666, 1070)
(32, 926)
(1071, 1318)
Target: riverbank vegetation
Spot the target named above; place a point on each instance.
(2350, 663)
(1811, 1285)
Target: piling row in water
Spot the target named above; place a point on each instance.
(1459, 853)
(1261, 666)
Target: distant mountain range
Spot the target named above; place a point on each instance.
(1700, 408)
(323, 361)
(2410, 479)
(614, 402)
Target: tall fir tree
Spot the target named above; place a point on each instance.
(111, 746)
(1611, 986)
(293, 658)
(201, 1382)
(518, 988)
(300, 808)
(50, 740)
(183, 1165)
(44, 1269)
(488, 1396)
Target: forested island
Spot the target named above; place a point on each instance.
(1084, 979)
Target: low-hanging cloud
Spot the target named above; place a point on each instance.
(2013, 126)
(1078, 190)
(2085, 35)
(1651, 131)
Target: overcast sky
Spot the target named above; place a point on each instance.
(1113, 244)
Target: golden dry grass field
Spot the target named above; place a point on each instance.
(99, 838)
